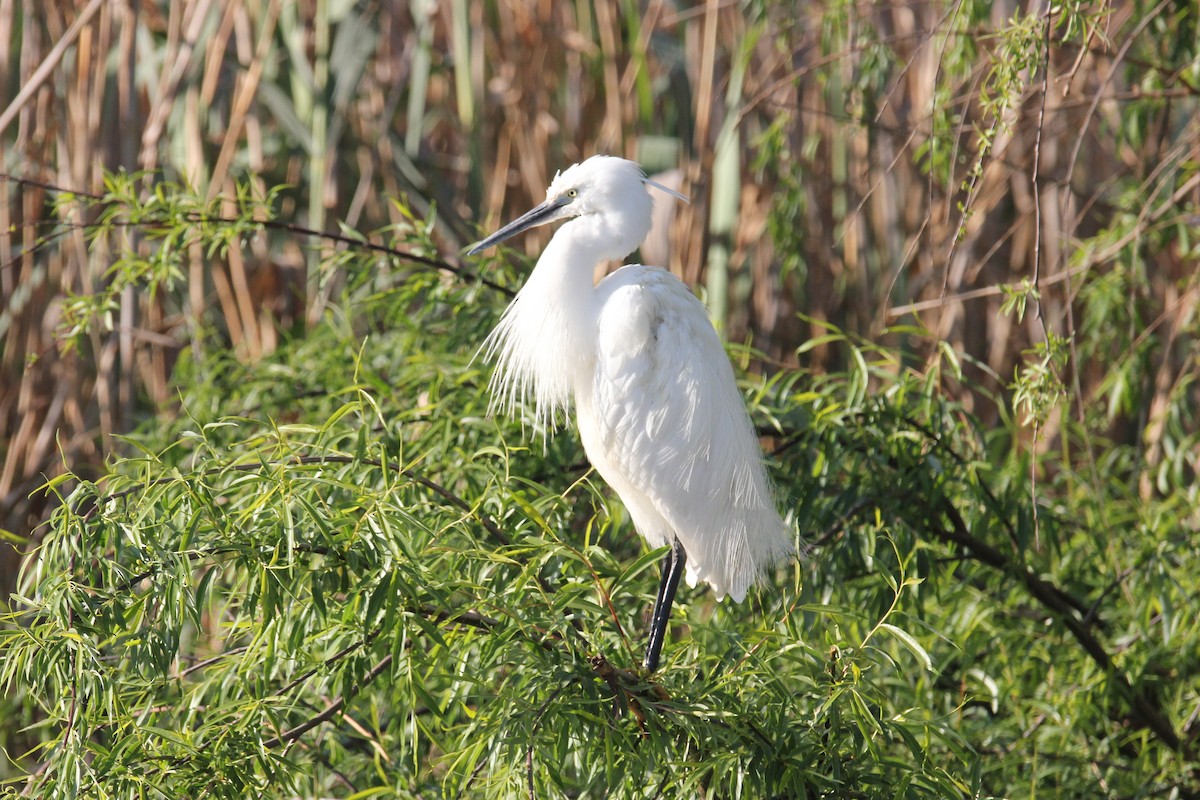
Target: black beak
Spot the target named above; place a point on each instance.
(546, 212)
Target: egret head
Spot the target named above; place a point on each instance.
(609, 192)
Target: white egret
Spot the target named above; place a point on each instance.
(655, 399)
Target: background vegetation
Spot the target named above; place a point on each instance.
(263, 538)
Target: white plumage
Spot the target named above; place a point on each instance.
(655, 398)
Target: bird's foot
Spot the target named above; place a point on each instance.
(630, 689)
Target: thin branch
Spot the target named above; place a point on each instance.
(269, 224)
(533, 730)
(1145, 710)
(331, 710)
(1035, 181)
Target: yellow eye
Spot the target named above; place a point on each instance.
(572, 193)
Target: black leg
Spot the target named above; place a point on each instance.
(673, 565)
(668, 559)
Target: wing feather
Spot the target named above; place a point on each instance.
(667, 427)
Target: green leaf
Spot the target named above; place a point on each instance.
(912, 644)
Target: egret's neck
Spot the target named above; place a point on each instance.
(546, 339)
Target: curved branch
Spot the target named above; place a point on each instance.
(332, 710)
(1078, 617)
(1145, 710)
(275, 225)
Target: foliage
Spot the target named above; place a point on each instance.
(279, 548)
(332, 574)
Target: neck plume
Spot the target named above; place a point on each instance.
(543, 340)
